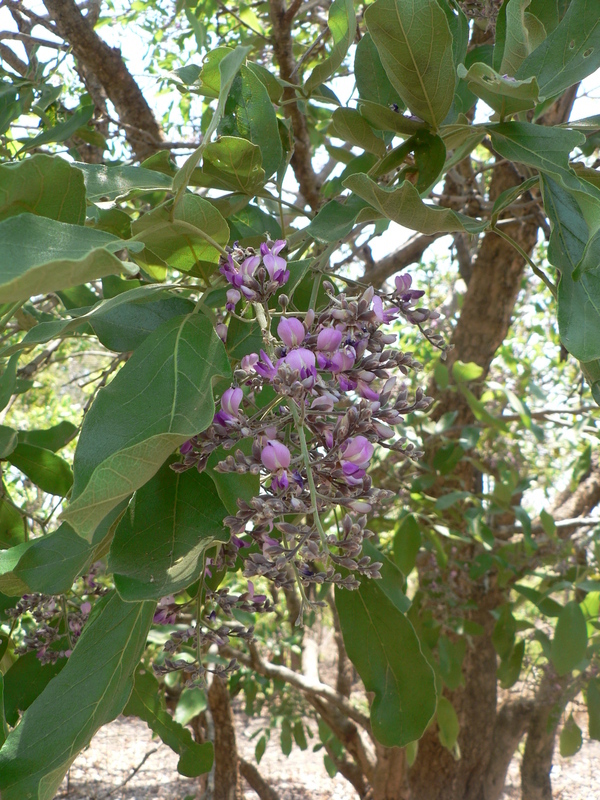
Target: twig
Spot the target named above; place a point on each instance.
(133, 774)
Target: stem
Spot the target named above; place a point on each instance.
(311, 481)
(10, 312)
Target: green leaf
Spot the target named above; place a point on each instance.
(54, 438)
(372, 81)
(300, 736)
(570, 738)
(578, 301)
(407, 542)
(106, 182)
(404, 206)
(503, 636)
(249, 224)
(548, 606)
(593, 706)
(459, 29)
(569, 643)
(145, 702)
(3, 725)
(430, 157)
(504, 94)
(44, 185)
(383, 646)
(191, 702)
(8, 381)
(228, 67)
(12, 522)
(174, 236)
(547, 150)
(350, 126)
(126, 326)
(161, 541)
(25, 680)
(254, 117)
(41, 255)
(448, 725)
(260, 748)
(508, 196)
(342, 24)
(465, 372)
(510, 668)
(160, 398)
(451, 655)
(43, 467)
(66, 715)
(234, 163)
(335, 220)
(48, 565)
(231, 486)
(569, 54)
(8, 441)
(286, 737)
(62, 131)
(383, 118)
(517, 43)
(415, 45)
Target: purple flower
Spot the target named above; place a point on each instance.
(358, 451)
(301, 359)
(249, 266)
(403, 283)
(249, 361)
(233, 298)
(291, 331)
(265, 366)
(343, 360)
(329, 339)
(230, 406)
(186, 447)
(274, 263)
(382, 315)
(275, 455)
(356, 455)
(221, 330)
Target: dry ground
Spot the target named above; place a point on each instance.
(99, 772)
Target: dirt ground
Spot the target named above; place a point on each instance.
(104, 770)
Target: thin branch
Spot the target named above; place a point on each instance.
(25, 37)
(410, 253)
(133, 773)
(268, 670)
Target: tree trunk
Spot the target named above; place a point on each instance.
(390, 781)
(550, 701)
(227, 781)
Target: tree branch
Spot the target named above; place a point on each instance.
(302, 158)
(316, 689)
(107, 65)
(401, 258)
(249, 772)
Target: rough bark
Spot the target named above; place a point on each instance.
(409, 253)
(226, 773)
(95, 57)
(550, 701)
(345, 668)
(281, 21)
(390, 781)
(511, 724)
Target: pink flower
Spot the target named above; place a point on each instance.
(356, 455)
(274, 263)
(301, 359)
(275, 455)
(358, 451)
(343, 360)
(233, 297)
(230, 406)
(329, 339)
(249, 361)
(291, 331)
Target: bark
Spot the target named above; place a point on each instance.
(226, 772)
(281, 21)
(511, 724)
(550, 701)
(249, 772)
(345, 668)
(390, 781)
(409, 253)
(96, 58)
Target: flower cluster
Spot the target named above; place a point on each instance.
(205, 632)
(254, 277)
(56, 625)
(314, 402)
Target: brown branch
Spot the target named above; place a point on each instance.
(351, 772)
(302, 158)
(107, 65)
(345, 669)
(509, 728)
(6, 54)
(227, 783)
(310, 688)
(249, 772)
(401, 258)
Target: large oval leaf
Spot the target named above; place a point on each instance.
(415, 45)
(159, 545)
(569, 643)
(384, 648)
(161, 397)
(43, 185)
(90, 691)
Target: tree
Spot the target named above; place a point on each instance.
(176, 267)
